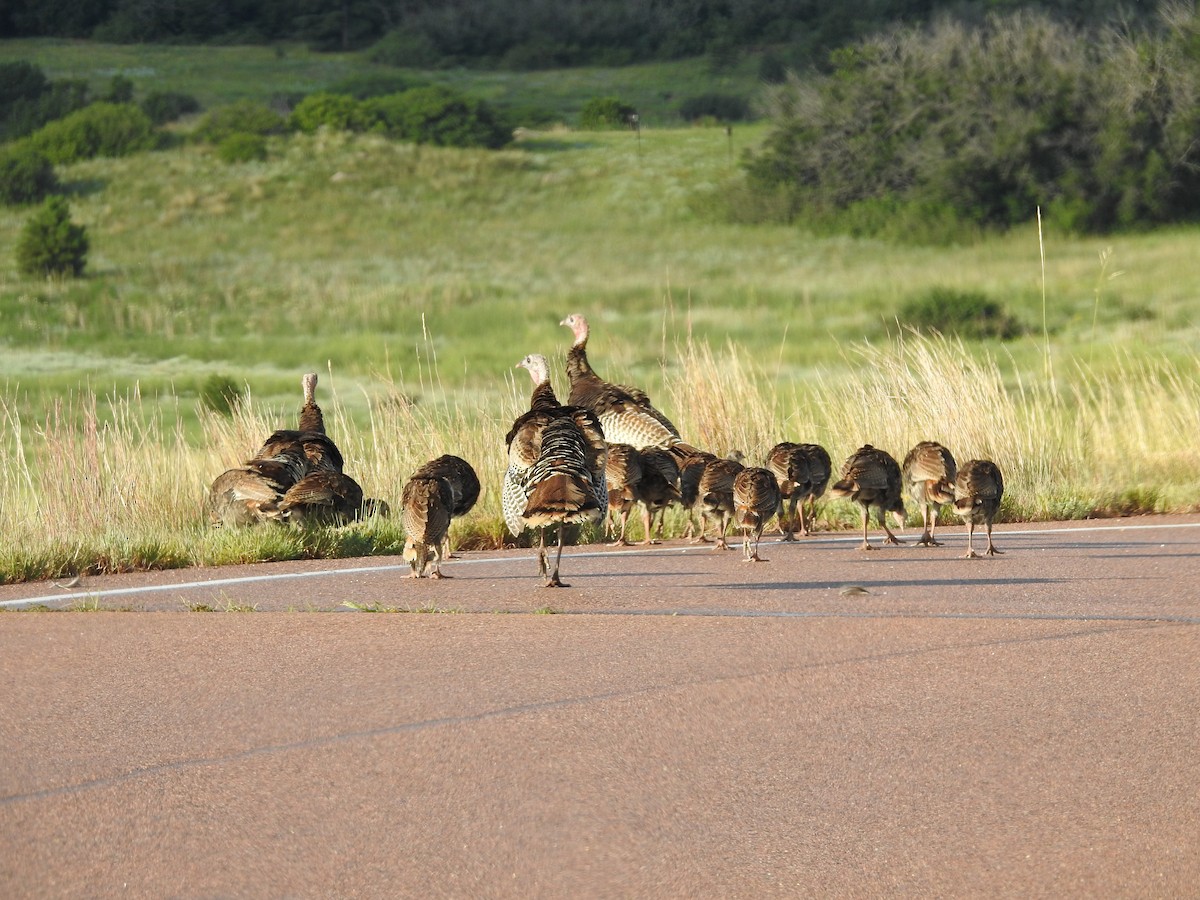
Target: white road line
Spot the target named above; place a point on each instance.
(84, 594)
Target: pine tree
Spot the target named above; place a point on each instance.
(51, 244)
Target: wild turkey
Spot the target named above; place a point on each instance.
(820, 467)
(789, 464)
(978, 490)
(929, 472)
(464, 486)
(247, 495)
(556, 461)
(871, 477)
(622, 472)
(427, 503)
(311, 417)
(691, 469)
(657, 489)
(314, 450)
(716, 496)
(250, 493)
(626, 413)
(323, 497)
(756, 497)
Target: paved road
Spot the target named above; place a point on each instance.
(691, 725)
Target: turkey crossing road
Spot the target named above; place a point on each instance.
(829, 722)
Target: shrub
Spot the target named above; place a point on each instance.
(721, 107)
(375, 84)
(26, 176)
(438, 115)
(50, 243)
(601, 113)
(337, 111)
(967, 314)
(20, 81)
(242, 117)
(24, 107)
(102, 129)
(221, 394)
(120, 90)
(168, 106)
(238, 148)
(406, 49)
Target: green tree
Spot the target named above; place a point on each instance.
(51, 245)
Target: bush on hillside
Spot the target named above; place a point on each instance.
(375, 84)
(221, 394)
(28, 100)
(601, 113)
(239, 148)
(338, 112)
(440, 116)
(966, 314)
(990, 123)
(168, 106)
(242, 117)
(102, 129)
(26, 176)
(51, 245)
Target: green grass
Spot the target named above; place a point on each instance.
(413, 279)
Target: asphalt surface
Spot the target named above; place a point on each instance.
(828, 723)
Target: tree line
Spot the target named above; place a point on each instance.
(528, 34)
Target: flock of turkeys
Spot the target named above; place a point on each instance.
(596, 457)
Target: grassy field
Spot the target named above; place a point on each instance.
(413, 279)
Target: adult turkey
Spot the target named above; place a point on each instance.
(323, 497)
(978, 490)
(626, 413)
(756, 497)
(929, 471)
(871, 477)
(427, 503)
(556, 461)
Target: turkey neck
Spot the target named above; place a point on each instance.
(585, 383)
(543, 397)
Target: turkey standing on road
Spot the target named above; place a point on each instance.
(626, 413)
(691, 469)
(716, 496)
(929, 472)
(464, 486)
(556, 460)
(871, 477)
(756, 497)
(977, 494)
(820, 467)
(622, 472)
(789, 464)
(427, 502)
(657, 489)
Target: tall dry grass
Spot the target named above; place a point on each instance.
(125, 489)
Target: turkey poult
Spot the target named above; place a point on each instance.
(251, 493)
(715, 496)
(626, 413)
(426, 506)
(322, 497)
(463, 482)
(691, 469)
(802, 471)
(556, 460)
(756, 497)
(978, 491)
(622, 472)
(929, 472)
(871, 477)
(657, 489)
